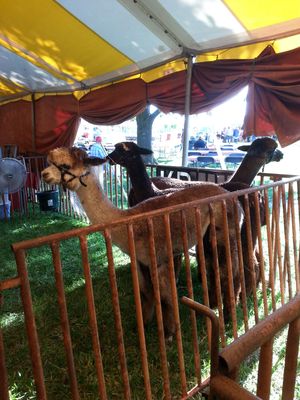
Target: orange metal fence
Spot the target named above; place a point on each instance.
(115, 182)
(209, 275)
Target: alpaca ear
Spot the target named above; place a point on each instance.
(93, 161)
(144, 151)
(244, 147)
(78, 153)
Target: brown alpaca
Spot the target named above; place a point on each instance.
(72, 169)
(259, 152)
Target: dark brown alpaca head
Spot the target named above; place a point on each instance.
(264, 148)
(126, 153)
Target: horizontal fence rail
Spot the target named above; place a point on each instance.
(115, 180)
(262, 336)
(243, 270)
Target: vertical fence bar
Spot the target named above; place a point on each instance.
(116, 202)
(159, 316)
(105, 178)
(265, 370)
(217, 283)
(64, 319)
(117, 315)
(278, 244)
(294, 236)
(286, 225)
(110, 185)
(31, 330)
(229, 269)
(241, 265)
(202, 270)
(121, 187)
(166, 219)
(92, 318)
(189, 282)
(261, 259)
(250, 255)
(139, 313)
(270, 249)
(3, 372)
(291, 360)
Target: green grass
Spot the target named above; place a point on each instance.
(47, 318)
(44, 296)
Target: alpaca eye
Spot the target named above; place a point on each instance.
(65, 166)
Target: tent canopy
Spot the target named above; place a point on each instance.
(63, 46)
(105, 60)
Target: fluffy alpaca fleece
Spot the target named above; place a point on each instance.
(259, 152)
(72, 169)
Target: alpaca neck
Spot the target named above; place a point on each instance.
(141, 183)
(248, 169)
(96, 204)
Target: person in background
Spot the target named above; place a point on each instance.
(236, 134)
(192, 141)
(200, 143)
(228, 135)
(96, 149)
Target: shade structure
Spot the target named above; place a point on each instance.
(89, 58)
(62, 46)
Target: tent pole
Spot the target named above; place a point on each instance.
(33, 128)
(185, 140)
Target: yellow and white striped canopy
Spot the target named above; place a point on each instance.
(62, 46)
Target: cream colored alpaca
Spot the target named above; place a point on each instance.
(72, 169)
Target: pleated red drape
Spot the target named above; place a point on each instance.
(114, 104)
(273, 103)
(16, 124)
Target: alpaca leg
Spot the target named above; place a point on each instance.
(225, 278)
(166, 301)
(146, 290)
(209, 267)
(257, 266)
(252, 282)
(177, 265)
(212, 288)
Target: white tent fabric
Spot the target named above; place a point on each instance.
(61, 46)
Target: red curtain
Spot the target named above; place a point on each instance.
(57, 122)
(114, 104)
(16, 125)
(273, 103)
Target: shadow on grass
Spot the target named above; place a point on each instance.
(48, 321)
(51, 340)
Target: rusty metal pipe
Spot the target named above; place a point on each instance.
(207, 312)
(291, 359)
(265, 370)
(227, 389)
(10, 283)
(31, 329)
(231, 357)
(4, 395)
(62, 305)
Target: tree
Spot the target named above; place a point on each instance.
(144, 123)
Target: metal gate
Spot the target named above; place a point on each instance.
(179, 369)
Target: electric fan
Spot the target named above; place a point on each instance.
(12, 175)
(12, 179)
